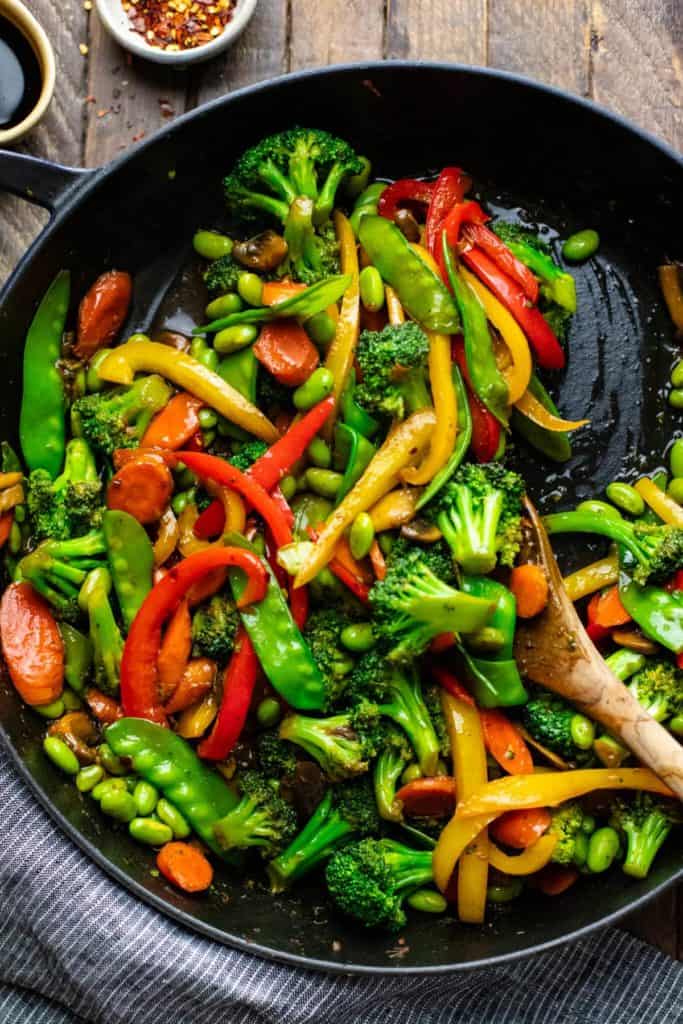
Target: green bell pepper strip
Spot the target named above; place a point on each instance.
(169, 763)
(423, 295)
(306, 304)
(485, 377)
(658, 613)
(558, 284)
(353, 454)
(131, 560)
(462, 442)
(352, 414)
(240, 370)
(281, 649)
(553, 444)
(77, 656)
(496, 681)
(42, 430)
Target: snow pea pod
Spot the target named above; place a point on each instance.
(131, 560)
(42, 430)
(77, 656)
(495, 680)
(240, 370)
(352, 414)
(353, 453)
(305, 304)
(462, 443)
(169, 763)
(553, 444)
(658, 613)
(421, 292)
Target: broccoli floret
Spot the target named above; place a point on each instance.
(105, 635)
(342, 744)
(311, 255)
(658, 688)
(432, 699)
(555, 724)
(557, 285)
(322, 634)
(246, 454)
(222, 274)
(261, 818)
(393, 364)
(411, 606)
(214, 627)
(569, 823)
(57, 570)
(646, 821)
(395, 754)
(558, 318)
(369, 880)
(345, 812)
(118, 418)
(479, 513)
(270, 393)
(276, 757)
(657, 550)
(71, 504)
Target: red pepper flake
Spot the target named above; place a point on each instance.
(179, 24)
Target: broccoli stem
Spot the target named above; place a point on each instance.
(617, 530)
(644, 842)
(407, 709)
(388, 768)
(105, 634)
(320, 836)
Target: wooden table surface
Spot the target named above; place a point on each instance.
(625, 54)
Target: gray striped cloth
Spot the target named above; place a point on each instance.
(74, 946)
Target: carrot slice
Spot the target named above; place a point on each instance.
(105, 709)
(505, 742)
(520, 829)
(175, 650)
(194, 684)
(278, 291)
(185, 866)
(379, 566)
(555, 879)
(6, 520)
(530, 586)
(175, 424)
(608, 611)
(31, 644)
(286, 351)
(141, 488)
(432, 797)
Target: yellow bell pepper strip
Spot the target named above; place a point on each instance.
(528, 862)
(395, 311)
(515, 792)
(395, 509)
(517, 376)
(401, 447)
(455, 839)
(167, 537)
(340, 355)
(469, 767)
(665, 507)
(121, 365)
(534, 410)
(603, 573)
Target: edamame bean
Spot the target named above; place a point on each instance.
(179, 501)
(288, 487)
(150, 831)
(600, 508)
(61, 755)
(319, 453)
(675, 725)
(172, 817)
(109, 761)
(268, 712)
(504, 893)
(250, 288)
(224, 305)
(145, 796)
(675, 489)
(108, 784)
(676, 398)
(88, 777)
(581, 245)
(211, 245)
(677, 374)
(204, 354)
(582, 731)
(324, 482)
(580, 849)
(676, 457)
(386, 542)
(358, 637)
(15, 538)
(72, 702)
(19, 513)
(626, 498)
(118, 804)
(429, 901)
(603, 847)
(232, 339)
(207, 419)
(53, 710)
(371, 289)
(208, 437)
(321, 328)
(411, 773)
(361, 535)
(318, 386)
(93, 381)
(588, 824)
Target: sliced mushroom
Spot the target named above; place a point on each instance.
(421, 531)
(79, 733)
(262, 252)
(406, 222)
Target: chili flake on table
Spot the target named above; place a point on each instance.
(179, 24)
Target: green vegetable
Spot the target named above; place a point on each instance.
(658, 613)
(411, 773)
(553, 444)
(131, 560)
(676, 458)
(645, 821)
(355, 184)
(504, 893)
(207, 419)
(557, 285)
(581, 245)
(361, 535)
(428, 901)
(224, 305)
(214, 627)
(77, 656)
(288, 487)
(306, 304)
(61, 755)
(268, 712)
(145, 797)
(232, 339)
(675, 489)
(555, 724)
(352, 455)
(353, 415)
(342, 744)
(371, 289)
(318, 386)
(261, 819)
(223, 275)
(366, 203)
(395, 754)
(626, 498)
(70, 505)
(88, 777)
(319, 453)
(495, 679)
(462, 442)
(172, 817)
(595, 507)
(603, 847)
(322, 634)
(110, 762)
(150, 831)
(324, 482)
(118, 418)
(210, 245)
(276, 758)
(358, 637)
(568, 821)
(204, 354)
(321, 328)
(105, 635)
(41, 422)
(250, 288)
(57, 569)
(118, 804)
(55, 709)
(393, 363)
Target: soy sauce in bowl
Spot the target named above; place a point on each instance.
(20, 76)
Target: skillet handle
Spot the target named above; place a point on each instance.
(38, 181)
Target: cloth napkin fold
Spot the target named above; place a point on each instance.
(75, 946)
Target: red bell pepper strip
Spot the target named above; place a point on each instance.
(281, 456)
(280, 500)
(238, 687)
(462, 213)
(485, 426)
(298, 605)
(489, 242)
(210, 522)
(449, 189)
(405, 190)
(539, 333)
(140, 696)
(344, 574)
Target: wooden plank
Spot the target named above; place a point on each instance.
(547, 40)
(328, 32)
(128, 98)
(59, 135)
(450, 30)
(637, 63)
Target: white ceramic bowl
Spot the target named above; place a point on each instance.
(20, 16)
(117, 23)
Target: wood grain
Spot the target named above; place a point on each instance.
(453, 30)
(329, 32)
(547, 40)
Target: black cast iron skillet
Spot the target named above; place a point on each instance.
(559, 161)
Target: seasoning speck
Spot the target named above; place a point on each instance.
(176, 25)
(83, 49)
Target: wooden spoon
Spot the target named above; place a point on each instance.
(554, 650)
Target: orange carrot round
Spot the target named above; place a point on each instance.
(142, 488)
(555, 879)
(432, 797)
(520, 829)
(31, 644)
(505, 742)
(530, 586)
(606, 609)
(287, 352)
(185, 866)
(175, 424)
